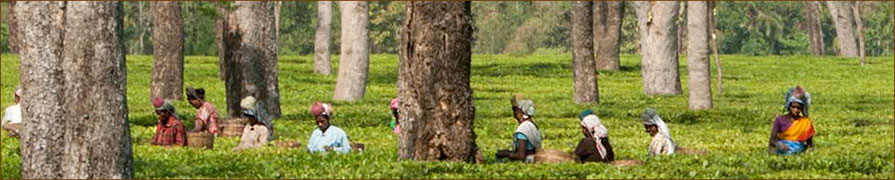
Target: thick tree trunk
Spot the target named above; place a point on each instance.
(84, 60)
(699, 71)
(859, 29)
(812, 18)
(354, 62)
(659, 55)
(608, 16)
(167, 39)
(323, 37)
(641, 10)
(844, 21)
(14, 38)
(437, 109)
(249, 60)
(584, 70)
(43, 137)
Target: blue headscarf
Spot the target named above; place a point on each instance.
(799, 95)
(584, 114)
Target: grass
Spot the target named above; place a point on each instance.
(852, 110)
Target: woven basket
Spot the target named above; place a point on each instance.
(689, 151)
(621, 163)
(358, 147)
(233, 127)
(288, 144)
(200, 140)
(553, 156)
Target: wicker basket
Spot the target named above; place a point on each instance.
(553, 156)
(200, 140)
(690, 151)
(233, 127)
(289, 144)
(358, 147)
(621, 163)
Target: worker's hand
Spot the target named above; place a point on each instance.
(328, 148)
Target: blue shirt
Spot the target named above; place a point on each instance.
(334, 137)
(520, 136)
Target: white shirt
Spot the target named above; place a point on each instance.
(12, 115)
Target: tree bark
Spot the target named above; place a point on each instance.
(15, 34)
(659, 55)
(42, 141)
(715, 45)
(812, 18)
(323, 37)
(584, 70)
(437, 109)
(167, 39)
(608, 16)
(76, 88)
(844, 21)
(641, 10)
(354, 61)
(859, 30)
(699, 71)
(249, 60)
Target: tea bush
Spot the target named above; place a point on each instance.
(852, 110)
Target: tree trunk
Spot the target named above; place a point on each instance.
(323, 37)
(84, 60)
(608, 16)
(715, 45)
(844, 21)
(699, 71)
(42, 141)
(249, 60)
(641, 9)
(15, 34)
(437, 109)
(859, 24)
(584, 70)
(355, 58)
(659, 55)
(167, 39)
(812, 18)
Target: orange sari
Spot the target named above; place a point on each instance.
(800, 130)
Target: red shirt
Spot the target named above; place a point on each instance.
(169, 134)
(208, 115)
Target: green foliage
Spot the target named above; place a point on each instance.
(852, 111)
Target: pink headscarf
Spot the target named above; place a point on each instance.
(394, 104)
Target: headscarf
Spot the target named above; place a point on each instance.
(195, 93)
(799, 95)
(251, 107)
(165, 105)
(321, 109)
(394, 104)
(593, 125)
(19, 91)
(650, 117)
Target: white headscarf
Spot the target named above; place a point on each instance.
(650, 117)
(597, 130)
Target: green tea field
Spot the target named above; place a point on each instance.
(852, 109)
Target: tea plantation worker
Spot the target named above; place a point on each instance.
(527, 137)
(12, 115)
(206, 117)
(326, 137)
(257, 107)
(169, 130)
(594, 147)
(661, 144)
(396, 127)
(255, 134)
(793, 132)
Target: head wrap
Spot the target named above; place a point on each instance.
(597, 130)
(193, 93)
(527, 107)
(584, 114)
(165, 105)
(799, 95)
(394, 104)
(249, 107)
(321, 109)
(650, 117)
(19, 90)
